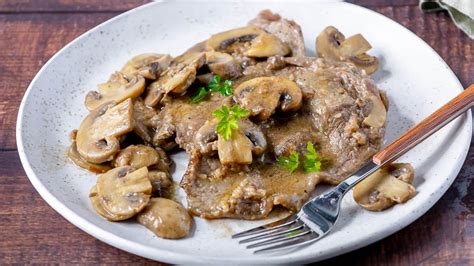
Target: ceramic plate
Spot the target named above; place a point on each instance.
(415, 78)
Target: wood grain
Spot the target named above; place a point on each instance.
(447, 112)
(27, 42)
(38, 6)
(33, 233)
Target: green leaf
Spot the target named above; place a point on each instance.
(199, 96)
(215, 84)
(226, 89)
(228, 119)
(291, 162)
(312, 162)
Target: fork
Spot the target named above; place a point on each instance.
(318, 216)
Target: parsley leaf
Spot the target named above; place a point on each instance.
(228, 119)
(199, 96)
(214, 85)
(312, 162)
(224, 88)
(291, 162)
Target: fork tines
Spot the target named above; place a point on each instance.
(283, 233)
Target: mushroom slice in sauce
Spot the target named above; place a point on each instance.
(332, 44)
(223, 64)
(77, 159)
(266, 45)
(179, 76)
(166, 218)
(93, 196)
(160, 183)
(124, 191)
(206, 139)
(97, 136)
(136, 156)
(236, 150)
(386, 187)
(261, 96)
(118, 89)
(149, 65)
(222, 40)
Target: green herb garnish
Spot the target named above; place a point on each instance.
(199, 96)
(291, 162)
(224, 88)
(228, 119)
(215, 85)
(312, 162)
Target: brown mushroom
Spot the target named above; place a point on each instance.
(166, 218)
(206, 138)
(222, 40)
(179, 76)
(236, 150)
(331, 44)
(223, 64)
(266, 45)
(149, 65)
(118, 88)
(136, 156)
(261, 96)
(386, 187)
(77, 159)
(378, 113)
(93, 196)
(97, 137)
(160, 182)
(124, 191)
(145, 119)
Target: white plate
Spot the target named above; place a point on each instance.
(415, 77)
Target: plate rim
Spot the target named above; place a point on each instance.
(177, 257)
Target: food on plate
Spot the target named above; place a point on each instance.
(166, 218)
(332, 44)
(386, 187)
(263, 124)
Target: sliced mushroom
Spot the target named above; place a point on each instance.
(264, 94)
(166, 218)
(118, 88)
(145, 119)
(93, 196)
(220, 41)
(124, 191)
(160, 183)
(266, 45)
(223, 64)
(148, 65)
(386, 187)
(136, 156)
(176, 79)
(378, 113)
(331, 44)
(206, 138)
(97, 137)
(77, 159)
(236, 150)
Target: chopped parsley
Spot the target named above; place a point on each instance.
(312, 162)
(291, 162)
(215, 85)
(228, 118)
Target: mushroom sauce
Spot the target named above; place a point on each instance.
(262, 124)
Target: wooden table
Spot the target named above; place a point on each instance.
(32, 232)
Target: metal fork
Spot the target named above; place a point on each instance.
(318, 216)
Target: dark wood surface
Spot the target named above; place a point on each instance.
(32, 31)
